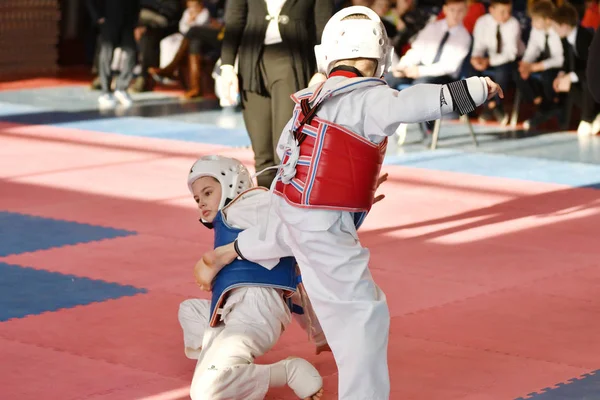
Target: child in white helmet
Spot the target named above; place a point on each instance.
(250, 305)
(332, 150)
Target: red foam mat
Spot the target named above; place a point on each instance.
(492, 283)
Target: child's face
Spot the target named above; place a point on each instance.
(194, 5)
(500, 12)
(455, 13)
(562, 30)
(381, 7)
(207, 193)
(540, 23)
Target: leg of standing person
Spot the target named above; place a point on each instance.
(350, 307)
(105, 56)
(257, 118)
(281, 83)
(129, 49)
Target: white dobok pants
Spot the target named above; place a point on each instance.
(351, 308)
(253, 320)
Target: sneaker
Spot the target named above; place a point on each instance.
(486, 115)
(400, 134)
(106, 101)
(584, 129)
(123, 98)
(500, 116)
(596, 125)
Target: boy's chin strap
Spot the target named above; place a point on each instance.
(347, 71)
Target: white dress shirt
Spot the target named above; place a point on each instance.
(202, 18)
(571, 40)
(426, 44)
(273, 35)
(536, 44)
(484, 39)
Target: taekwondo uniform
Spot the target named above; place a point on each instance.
(249, 309)
(332, 151)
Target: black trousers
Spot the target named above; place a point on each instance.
(204, 39)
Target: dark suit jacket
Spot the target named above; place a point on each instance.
(119, 15)
(577, 61)
(593, 67)
(245, 29)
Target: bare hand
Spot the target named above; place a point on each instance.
(493, 89)
(204, 271)
(101, 21)
(139, 32)
(382, 178)
(412, 72)
(564, 83)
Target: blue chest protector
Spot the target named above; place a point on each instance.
(241, 273)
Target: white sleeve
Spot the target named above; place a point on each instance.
(283, 139)
(533, 50)
(479, 46)
(268, 250)
(203, 18)
(557, 57)
(386, 108)
(183, 22)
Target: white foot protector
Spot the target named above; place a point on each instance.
(297, 373)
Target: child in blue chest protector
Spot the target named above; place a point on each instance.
(250, 305)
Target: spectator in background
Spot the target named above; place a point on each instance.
(572, 79)
(593, 67)
(274, 40)
(496, 45)
(158, 19)
(474, 11)
(202, 34)
(117, 20)
(543, 56)
(409, 20)
(382, 8)
(438, 52)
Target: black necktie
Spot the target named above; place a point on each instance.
(438, 55)
(546, 53)
(498, 40)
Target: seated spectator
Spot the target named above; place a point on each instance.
(382, 8)
(572, 78)
(158, 19)
(202, 34)
(438, 52)
(409, 20)
(474, 11)
(543, 56)
(496, 45)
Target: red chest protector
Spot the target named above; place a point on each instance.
(337, 169)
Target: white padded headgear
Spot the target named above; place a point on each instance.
(354, 38)
(231, 174)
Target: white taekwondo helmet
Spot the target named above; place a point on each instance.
(231, 174)
(354, 38)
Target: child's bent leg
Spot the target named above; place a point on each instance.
(193, 318)
(351, 308)
(226, 368)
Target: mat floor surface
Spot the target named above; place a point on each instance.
(489, 257)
